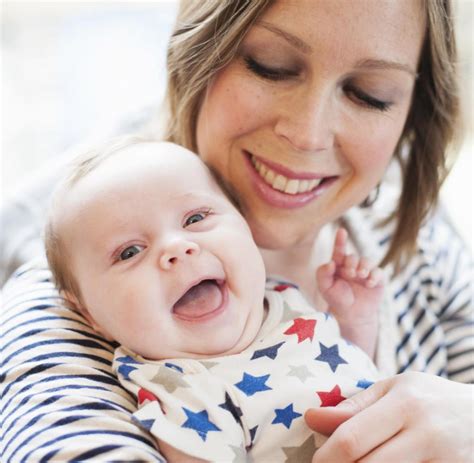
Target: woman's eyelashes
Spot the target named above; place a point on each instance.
(196, 216)
(268, 72)
(279, 74)
(365, 99)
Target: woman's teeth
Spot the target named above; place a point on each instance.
(279, 182)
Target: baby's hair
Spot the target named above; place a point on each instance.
(80, 167)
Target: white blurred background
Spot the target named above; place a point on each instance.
(72, 71)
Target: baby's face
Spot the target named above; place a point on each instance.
(165, 263)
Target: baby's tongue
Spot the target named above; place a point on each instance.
(199, 300)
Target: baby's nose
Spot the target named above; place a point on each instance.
(177, 251)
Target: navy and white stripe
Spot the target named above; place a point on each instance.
(60, 400)
(434, 297)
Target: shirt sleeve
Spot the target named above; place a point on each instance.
(437, 292)
(455, 305)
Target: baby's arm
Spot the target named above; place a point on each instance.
(353, 290)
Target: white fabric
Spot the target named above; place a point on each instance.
(221, 408)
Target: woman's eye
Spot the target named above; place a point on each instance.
(365, 99)
(268, 72)
(130, 252)
(196, 217)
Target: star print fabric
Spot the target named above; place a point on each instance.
(250, 404)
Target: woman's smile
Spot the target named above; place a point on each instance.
(282, 187)
(299, 136)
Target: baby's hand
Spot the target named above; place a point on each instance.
(353, 289)
(348, 280)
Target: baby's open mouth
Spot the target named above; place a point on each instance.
(200, 300)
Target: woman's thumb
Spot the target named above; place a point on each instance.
(326, 420)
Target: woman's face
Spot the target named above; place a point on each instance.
(304, 120)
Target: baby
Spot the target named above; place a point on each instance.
(144, 243)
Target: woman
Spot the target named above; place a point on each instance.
(331, 91)
(301, 106)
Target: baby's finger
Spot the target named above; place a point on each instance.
(339, 250)
(363, 268)
(351, 262)
(375, 278)
(325, 276)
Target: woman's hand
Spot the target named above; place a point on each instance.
(411, 417)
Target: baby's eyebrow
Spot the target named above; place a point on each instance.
(195, 195)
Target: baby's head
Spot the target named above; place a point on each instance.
(143, 241)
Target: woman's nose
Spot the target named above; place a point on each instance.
(177, 251)
(306, 120)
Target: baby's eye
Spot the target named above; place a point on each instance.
(130, 252)
(196, 217)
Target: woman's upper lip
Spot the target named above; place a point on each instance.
(278, 168)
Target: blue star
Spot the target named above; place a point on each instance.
(364, 383)
(174, 367)
(199, 422)
(253, 384)
(270, 352)
(253, 433)
(330, 355)
(125, 370)
(285, 416)
(233, 409)
(127, 359)
(147, 424)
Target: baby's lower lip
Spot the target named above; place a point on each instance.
(284, 192)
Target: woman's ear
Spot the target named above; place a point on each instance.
(78, 306)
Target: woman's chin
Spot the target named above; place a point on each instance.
(281, 237)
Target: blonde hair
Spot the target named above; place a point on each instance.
(82, 165)
(206, 37)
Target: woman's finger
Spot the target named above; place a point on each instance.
(375, 422)
(409, 444)
(326, 420)
(362, 433)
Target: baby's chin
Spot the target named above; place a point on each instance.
(224, 346)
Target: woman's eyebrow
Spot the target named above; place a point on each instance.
(290, 38)
(385, 64)
(307, 49)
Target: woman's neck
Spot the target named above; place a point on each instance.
(298, 263)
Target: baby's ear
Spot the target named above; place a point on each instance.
(78, 306)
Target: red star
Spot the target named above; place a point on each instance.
(143, 395)
(304, 329)
(281, 288)
(331, 398)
